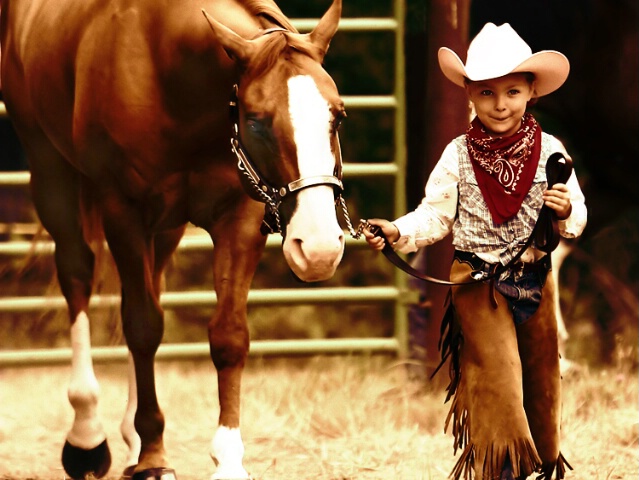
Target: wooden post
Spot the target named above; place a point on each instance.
(437, 113)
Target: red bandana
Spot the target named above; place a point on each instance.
(504, 167)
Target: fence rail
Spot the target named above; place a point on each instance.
(397, 293)
(196, 351)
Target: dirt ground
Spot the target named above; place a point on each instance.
(324, 419)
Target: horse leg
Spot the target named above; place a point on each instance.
(142, 322)
(127, 427)
(164, 244)
(56, 195)
(234, 264)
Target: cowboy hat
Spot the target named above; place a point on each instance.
(498, 51)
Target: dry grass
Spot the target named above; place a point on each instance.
(322, 418)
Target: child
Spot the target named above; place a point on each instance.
(488, 189)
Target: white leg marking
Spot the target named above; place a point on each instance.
(227, 451)
(127, 428)
(87, 431)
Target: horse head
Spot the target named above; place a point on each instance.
(287, 113)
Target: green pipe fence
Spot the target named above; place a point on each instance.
(397, 293)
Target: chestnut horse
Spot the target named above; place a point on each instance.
(122, 107)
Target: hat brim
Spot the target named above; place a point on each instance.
(550, 68)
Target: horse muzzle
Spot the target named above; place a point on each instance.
(314, 242)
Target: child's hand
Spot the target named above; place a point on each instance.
(390, 230)
(558, 198)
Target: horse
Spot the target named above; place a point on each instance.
(125, 110)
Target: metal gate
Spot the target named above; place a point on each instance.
(398, 293)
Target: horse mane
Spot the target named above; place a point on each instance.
(270, 11)
(278, 44)
(283, 44)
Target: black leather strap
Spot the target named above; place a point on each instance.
(558, 170)
(476, 275)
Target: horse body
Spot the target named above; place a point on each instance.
(125, 116)
(122, 108)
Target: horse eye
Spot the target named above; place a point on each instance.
(256, 127)
(253, 125)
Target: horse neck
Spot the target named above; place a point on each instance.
(182, 31)
(244, 17)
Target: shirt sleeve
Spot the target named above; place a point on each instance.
(433, 219)
(574, 225)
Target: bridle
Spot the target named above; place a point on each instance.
(272, 196)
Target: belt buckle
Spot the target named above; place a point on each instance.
(478, 275)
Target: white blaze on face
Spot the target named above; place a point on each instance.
(310, 116)
(314, 242)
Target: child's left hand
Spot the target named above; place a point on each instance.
(558, 198)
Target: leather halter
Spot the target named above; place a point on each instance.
(270, 195)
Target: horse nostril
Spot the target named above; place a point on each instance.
(297, 252)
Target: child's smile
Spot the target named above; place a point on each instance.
(500, 103)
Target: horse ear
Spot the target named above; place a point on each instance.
(323, 33)
(235, 46)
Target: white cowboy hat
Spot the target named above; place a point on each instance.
(498, 51)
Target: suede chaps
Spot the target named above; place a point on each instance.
(505, 383)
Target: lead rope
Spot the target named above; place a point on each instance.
(356, 234)
(558, 170)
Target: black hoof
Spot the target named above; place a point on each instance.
(79, 463)
(128, 472)
(155, 474)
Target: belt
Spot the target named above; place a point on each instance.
(477, 264)
(541, 266)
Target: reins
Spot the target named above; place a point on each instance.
(545, 233)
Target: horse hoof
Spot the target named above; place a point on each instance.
(155, 474)
(128, 472)
(80, 463)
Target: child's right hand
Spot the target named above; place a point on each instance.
(389, 230)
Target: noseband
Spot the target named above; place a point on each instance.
(272, 196)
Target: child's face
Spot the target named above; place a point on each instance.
(500, 103)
